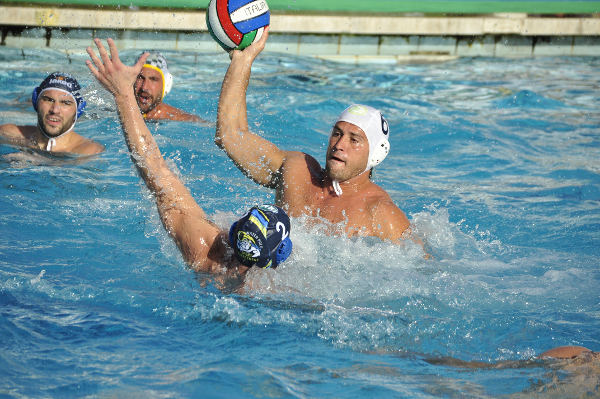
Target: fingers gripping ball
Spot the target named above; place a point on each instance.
(236, 24)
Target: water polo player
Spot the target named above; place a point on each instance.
(260, 238)
(58, 103)
(153, 83)
(342, 192)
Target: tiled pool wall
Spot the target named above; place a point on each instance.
(341, 47)
(342, 37)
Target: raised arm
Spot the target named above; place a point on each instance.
(199, 240)
(256, 157)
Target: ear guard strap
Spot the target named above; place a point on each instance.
(283, 251)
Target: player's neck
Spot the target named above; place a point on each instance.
(51, 143)
(353, 185)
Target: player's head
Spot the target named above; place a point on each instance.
(375, 127)
(153, 83)
(58, 103)
(261, 237)
(358, 142)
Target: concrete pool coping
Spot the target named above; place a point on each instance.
(348, 38)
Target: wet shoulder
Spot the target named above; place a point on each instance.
(375, 195)
(27, 136)
(388, 219)
(10, 130)
(300, 162)
(85, 146)
(166, 111)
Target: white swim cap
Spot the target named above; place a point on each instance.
(375, 127)
(157, 62)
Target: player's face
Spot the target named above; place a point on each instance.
(148, 89)
(347, 152)
(56, 111)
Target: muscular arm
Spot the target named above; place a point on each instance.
(198, 239)
(185, 221)
(256, 157)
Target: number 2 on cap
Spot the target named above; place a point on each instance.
(281, 227)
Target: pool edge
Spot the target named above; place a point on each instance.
(347, 38)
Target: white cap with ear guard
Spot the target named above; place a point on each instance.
(375, 127)
(158, 62)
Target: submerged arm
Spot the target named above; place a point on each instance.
(564, 352)
(198, 238)
(255, 156)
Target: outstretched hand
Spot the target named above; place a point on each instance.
(115, 76)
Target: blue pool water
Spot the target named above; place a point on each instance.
(495, 161)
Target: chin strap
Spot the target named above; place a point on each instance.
(52, 140)
(336, 187)
(51, 144)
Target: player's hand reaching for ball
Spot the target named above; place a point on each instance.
(250, 53)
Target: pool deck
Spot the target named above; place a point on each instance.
(342, 37)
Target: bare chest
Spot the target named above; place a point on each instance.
(350, 213)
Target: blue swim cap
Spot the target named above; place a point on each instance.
(261, 237)
(63, 82)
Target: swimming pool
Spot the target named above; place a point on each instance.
(495, 161)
